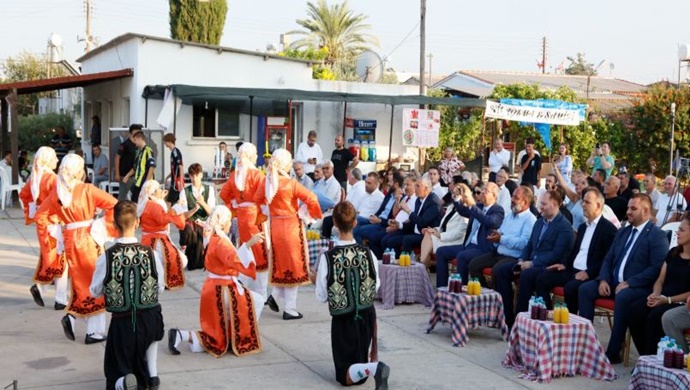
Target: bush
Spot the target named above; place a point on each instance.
(36, 130)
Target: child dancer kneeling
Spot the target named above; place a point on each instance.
(347, 279)
(130, 276)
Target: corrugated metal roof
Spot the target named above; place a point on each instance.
(42, 85)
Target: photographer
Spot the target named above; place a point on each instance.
(601, 159)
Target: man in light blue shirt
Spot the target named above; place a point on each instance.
(100, 165)
(327, 190)
(511, 237)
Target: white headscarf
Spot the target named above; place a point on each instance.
(220, 217)
(70, 174)
(45, 160)
(281, 161)
(147, 190)
(246, 160)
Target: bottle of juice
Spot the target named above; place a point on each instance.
(477, 287)
(472, 287)
(364, 151)
(557, 313)
(565, 314)
(372, 151)
(352, 147)
(317, 234)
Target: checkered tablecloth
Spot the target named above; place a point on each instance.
(316, 248)
(465, 312)
(650, 373)
(542, 350)
(404, 284)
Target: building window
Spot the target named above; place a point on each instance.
(216, 122)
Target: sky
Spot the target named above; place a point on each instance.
(639, 37)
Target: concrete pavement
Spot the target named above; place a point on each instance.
(296, 354)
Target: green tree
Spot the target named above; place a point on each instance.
(198, 21)
(580, 139)
(461, 133)
(25, 67)
(336, 28)
(37, 130)
(580, 66)
(320, 70)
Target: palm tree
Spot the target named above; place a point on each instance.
(336, 28)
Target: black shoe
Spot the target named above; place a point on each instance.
(130, 382)
(288, 316)
(381, 376)
(614, 359)
(154, 383)
(272, 304)
(93, 340)
(37, 295)
(59, 306)
(172, 333)
(67, 327)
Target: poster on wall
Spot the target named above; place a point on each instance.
(420, 127)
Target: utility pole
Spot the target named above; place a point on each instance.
(89, 38)
(422, 47)
(431, 57)
(543, 55)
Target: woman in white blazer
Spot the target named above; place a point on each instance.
(451, 231)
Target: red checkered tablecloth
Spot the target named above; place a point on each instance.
(404, 284)
(650, 373)
(465, 312)
(542, 350)
(316, 249)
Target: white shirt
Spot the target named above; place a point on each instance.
(580, 262)
(498, 160)
(664, 202)
(632, 244)
(366, 203)
(439, 190)
(504, 198)
(355, 191)
(211, 202)
(305, 152)
(329, 188)
(654, 195)
(402, 215)
(322, 273)
(476, 224)
(99, 273)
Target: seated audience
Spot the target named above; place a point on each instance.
(327, 189)
(379, 220)
(100, 165)
(617, 203)
(675, 322)
(301, 176)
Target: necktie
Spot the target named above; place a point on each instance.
(417, 205)
(628, 244)
(543, 230)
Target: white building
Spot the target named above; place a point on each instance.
(162, 62)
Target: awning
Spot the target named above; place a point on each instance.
(198, 95)
(42, 85)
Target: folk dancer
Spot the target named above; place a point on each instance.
(288, 252)
(75, 203)
(51, 267)
(200, 199)
(229, 312)
(130, 275)
(347, 279)
(155, 218)
(237, 193)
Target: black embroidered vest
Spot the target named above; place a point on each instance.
(351, 279)
(191, 203)
(131, 280)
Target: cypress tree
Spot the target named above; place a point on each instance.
(198, 21)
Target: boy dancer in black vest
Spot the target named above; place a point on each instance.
(130, 277)
(347, 278)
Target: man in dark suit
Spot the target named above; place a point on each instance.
(629, 270)
(594, 239)
(426, 213)
(551, 240)
(379, 221)
(484, 218)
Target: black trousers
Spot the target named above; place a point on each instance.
(566, 279)
(351, 339)
(645, 325)
(192, 238)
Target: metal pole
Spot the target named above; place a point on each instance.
(14, 135)
(345, 119)
(251, 118)
(175, 116)
(390, 138)
(673, 129)
(422, 47)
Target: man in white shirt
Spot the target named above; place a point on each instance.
(309, 153)
(650, 188)
(435, 178)
(327, 189)
(499, 157)
(671, 204)
(503, 193)
(301, 176)
(364, 195)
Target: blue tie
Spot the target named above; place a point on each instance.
(631, 239)
(543, 230)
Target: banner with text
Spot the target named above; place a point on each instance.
(420, 127)
(553, 116)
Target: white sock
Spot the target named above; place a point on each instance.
(262, 284)
(152, 358)
(360, 371)
(258, 301)
(95, 325)
(61, 288)
(180, 336)
(120, 384)
(291, 300)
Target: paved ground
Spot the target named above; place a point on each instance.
(296, 354)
